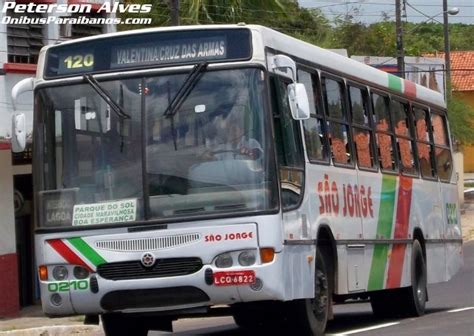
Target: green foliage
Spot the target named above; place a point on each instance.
(310, 25)
(461, 120)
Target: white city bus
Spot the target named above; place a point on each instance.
(176, 169)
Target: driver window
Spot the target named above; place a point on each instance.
(288, 147)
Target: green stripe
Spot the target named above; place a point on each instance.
(395, 83)
(384, 231)
(87, 251)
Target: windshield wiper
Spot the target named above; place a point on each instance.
(101, 92)
(185, 89)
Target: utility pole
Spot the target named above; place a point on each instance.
(174, 8)
(399, 31)
(447, 52)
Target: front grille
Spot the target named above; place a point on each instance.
(149, 243)
(151, 298)
(129, 270)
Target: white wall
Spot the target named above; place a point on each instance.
(7, 215)
(459, 169)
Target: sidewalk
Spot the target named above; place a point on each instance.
(32, 322)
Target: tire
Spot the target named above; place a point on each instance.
(311, 315)
(408, 301)
(415, 296)
(120, 325)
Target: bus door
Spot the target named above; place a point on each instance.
(361, 195)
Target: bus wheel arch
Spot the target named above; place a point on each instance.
(327, 244)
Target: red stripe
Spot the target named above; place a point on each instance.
(410, 88)
(395, 267)
(67, 253)
(20, 68)
(5, 146)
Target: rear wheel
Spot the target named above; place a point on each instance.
(409, 301)
(415, 295)
(311, 315)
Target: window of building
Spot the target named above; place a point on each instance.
(425, 149)
(314, 132)
(24, 40)
(83, 30)
(400, 112)
(362, 132)
(444, 161)
(384, 135)
(338, 127)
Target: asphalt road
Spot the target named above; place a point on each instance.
(450, 311)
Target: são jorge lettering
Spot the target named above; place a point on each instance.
(350, 200)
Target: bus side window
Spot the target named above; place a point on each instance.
(425, 149)
(313, 127)
(288, 147)
(444, 161)
(338, 127)
(361, 127)
(384, 135)
(405, 144)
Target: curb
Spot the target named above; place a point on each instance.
(55, 331)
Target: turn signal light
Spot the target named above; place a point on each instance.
(43, 273)
(267, 254)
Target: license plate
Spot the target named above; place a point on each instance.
(233, 278)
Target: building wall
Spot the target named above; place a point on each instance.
(10, 74)
(9, 294)
(468, 97)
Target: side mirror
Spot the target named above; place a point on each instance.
(19, 119)
(19, 133)
(299, 103)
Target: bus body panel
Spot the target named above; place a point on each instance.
(372, 216)
(211, 239)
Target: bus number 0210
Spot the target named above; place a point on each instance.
(64, 286)
(79, 61)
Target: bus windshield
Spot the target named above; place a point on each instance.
(208, 157)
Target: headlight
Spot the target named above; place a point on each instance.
(60, 273)
(80, 272)
(247, 258)
(224, 260)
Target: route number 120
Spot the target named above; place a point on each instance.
(79, 61)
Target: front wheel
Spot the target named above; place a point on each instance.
(311, 315)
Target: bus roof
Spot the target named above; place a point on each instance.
(324, 58)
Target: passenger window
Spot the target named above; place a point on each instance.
(384, 135)
(361, 127)
(314, 126)
(332, 91)
(338, 128)
(425, 149)
(444, 161)
(439, 133)
(404, 141)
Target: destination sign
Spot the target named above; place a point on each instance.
(56, 207)
(184, 51)
(147, 50)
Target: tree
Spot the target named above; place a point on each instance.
(461, 120)
(283, 15)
